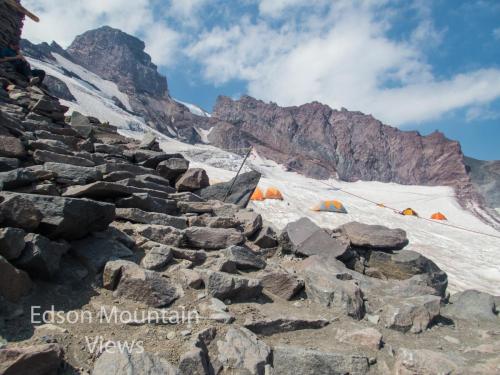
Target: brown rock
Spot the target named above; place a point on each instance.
(193, 179)
(32, 360)
(14, 283)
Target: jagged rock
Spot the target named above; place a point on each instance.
(240, 192)
(222, 285)
(282, 284)
(162, 234)
(374, 236)
(41, 257)
(113, 233)
(289, 360)
(117, 176)
(148, 141)
(11, 242)
(225, 265)
(195, 256)
(213, 222)
(8, 164)
(413, 314)
(296, 233)
(136, 170)
(367, 337)
(81, 124)
(17, 178)
(194, 362)
(41, 189)
(322, 243)
(41, 157)
(269, 327)
(151, 159)
(98, 190)
(138, 216)
(244, 258)
(242, 351)
(157, 258)
(17, 211)
(472, 305)
(195, 207)
(68, 174)
(146, 202)
(49, 145)
(14, 283)
(11, 147)
(186, 197)
(425, 362)
(216, 310)
(112, 272)
(193, 179)
(33, 360)
(212, 238)
(67, 218)
(148, 287)
(95, 252)
(172, 168)
(251, 222)
(141, 183)
(69, 141)
(191, 278)
(154, 179)
(108, 149)
(116, 362)
(266, 238)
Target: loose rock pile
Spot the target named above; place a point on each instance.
(91, 221)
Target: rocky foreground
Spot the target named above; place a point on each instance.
(95, 224)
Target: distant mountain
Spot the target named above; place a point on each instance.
(485, 176)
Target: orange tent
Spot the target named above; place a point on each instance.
(330, 206)
(257, 195)
(438, 216)
(409, 212)
(273, 193)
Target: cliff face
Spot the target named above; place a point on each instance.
(11, 24)
(485, 176)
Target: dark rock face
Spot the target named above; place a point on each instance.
(322, 142)
(59, 88)
(485, 176)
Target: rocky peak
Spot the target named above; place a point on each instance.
(119, 57)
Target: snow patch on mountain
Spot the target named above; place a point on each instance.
(194, 109)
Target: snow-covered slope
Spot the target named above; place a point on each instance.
(471, 260)
(194, 109)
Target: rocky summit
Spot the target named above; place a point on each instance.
(117, 256)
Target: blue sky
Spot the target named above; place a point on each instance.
(419, 65)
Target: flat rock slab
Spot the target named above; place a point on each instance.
(162, 234)
(374, 236)
(157, 258)
(244, 258)
(95, 252)
(223, 286)
(472, 305)
(268, 327)
(120, 363)
(425, 361)
(298, 231)
(41, 157)
(369, 338)
(98, 190)
(139, 216)
(193, 179)
(149, 203)
(73, 174)
(212, 238)
(322, 243)
(282, 284)
(17, 178)
(292, 361)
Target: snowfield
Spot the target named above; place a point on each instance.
(472, 261)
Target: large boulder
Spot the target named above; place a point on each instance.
(242, 352)
(41, 257)
(17, 178)
(41, 157)
(250, 221)
(265, 238)
(146, 202)
(162, 234)
(139, 216)
(98, 190)
(295, 233)
(472, 305)
(68, 174)
(14, 283)
(95, 251)
(193, 179)
(425, 362)
(157, 257)
(290, 360)
(244, 258)
(282, 284)
(172, 168)
(223, 285)
(374, 236)
(369, 338)
(117, 362)
(322, 243)
(11, 242)
(18, 211)
(212, 238)
(33, 360)
(240, 193)
(67, 218)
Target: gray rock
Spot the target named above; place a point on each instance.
(67, 218)
(186, 197)
(41, 257)
(472, 305)
(11, 242)
(154, 179)
(148, 141)
(95, 252)
(271, 326)
(162, 234)
(216, 310)
(116, 362)
(41, 157)
(244, 258)
(157, 258)
(322, 243)
(194, 362)
(240, 192)
(213, 222)
(222, 286)
(297, 232)
(117, 176)
(14, 283)
(368, 337)
(191, 278)
(195, 256)
(11, 147)
(17, 178)
(34, 360)
(81, 124)
(251, 222)
(50, 145)
(98, 190)
(41, 189)
(241, 351)
(136, 170)
(172, 168)
(138, 216)
(8, 164)
(193, 179)
(147, 287)
(266, 238)
(68, 174)
(112, 272)
(374, 236)
(108, 149)
(426, 362)
(146, 202)
(212, 238)
(289, 361)
(195, 207)
(142, 183)
(282, 284)
(17, 211)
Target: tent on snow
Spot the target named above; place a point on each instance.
(257, 195)
(409, 212)
(330, 206)
(273, 193)
(438, 216)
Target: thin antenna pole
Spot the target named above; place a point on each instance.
(237, 174)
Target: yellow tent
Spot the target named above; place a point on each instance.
(409, 212)
(330, 206)
(273, 193)
(257, 195)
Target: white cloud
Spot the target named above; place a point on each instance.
(62, 21)
(343, 58)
